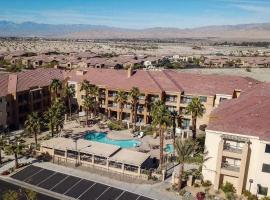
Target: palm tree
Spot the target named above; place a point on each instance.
(85, 86)
(88, 105)
(55, 116)
(121, 99)
(32, 125)
(54, 87)
(184, 150)
(50, 120)
(60, 109)
(174, 115)
(134, 95)
(69, 93)
(94, 93)
(161, 118)
(15, 147)
(196, 109)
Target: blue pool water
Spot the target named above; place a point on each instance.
(102, 138)
(169, 148)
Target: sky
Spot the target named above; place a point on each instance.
(137, 14)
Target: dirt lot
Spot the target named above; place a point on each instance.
(261, 74)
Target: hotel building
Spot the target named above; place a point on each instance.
(238, 143)
(174, 88)
(25, 92)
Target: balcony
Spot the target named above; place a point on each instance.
(227, 166)
(233, 149)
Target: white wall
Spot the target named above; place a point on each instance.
(211, 146)
(258, 157)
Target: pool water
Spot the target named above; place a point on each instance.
(169, 148)
(102, 138)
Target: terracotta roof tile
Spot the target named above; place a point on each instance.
(167, 80)
(247, 115)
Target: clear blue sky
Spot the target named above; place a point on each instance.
(137, 13)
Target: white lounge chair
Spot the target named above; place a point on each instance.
(141, 135)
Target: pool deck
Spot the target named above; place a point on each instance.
(147, 141)
(120, 135)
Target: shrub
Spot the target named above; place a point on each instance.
(116, 125)
(248, 69)
(196, 185)
(228, 188)
(44, 157)
(230, 196)
(206, 183)
(182, 192)
(246, 193)
(265, 198)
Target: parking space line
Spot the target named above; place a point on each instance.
(120, 195)
(86, 190)
(41, 169)
(138, 197)
(59, 183)
(46, 179)
(103, 193)
(73, 186)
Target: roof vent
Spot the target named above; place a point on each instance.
(81, 72)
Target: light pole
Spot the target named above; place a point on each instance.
(75, 140)
(250, 182)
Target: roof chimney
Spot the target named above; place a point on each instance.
(81, 72)
(130, 71)
(12, 84)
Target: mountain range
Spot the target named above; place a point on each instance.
(259, 31)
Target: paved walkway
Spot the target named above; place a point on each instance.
(155, 191)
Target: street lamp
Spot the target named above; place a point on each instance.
(250, 182)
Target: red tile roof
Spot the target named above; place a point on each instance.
(166, 80)
(39, 77)
(3, 85)
(247, 115)
(22, 81)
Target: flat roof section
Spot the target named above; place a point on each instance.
(130, 157)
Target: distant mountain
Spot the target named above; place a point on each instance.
(81, 31)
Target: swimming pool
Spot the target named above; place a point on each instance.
(102, 138)
(169, 148)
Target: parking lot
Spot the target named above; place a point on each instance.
(72, 186)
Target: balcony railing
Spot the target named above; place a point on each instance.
(112, 105)
(229, 167)
(233, 149)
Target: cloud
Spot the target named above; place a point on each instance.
(253, 8)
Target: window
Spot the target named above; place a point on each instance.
(262, 190)
(267, 148)
(185, 123)
(222, 99)
(266, 168)
(203, 99)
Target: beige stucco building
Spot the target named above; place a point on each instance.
(238, 143)
(174, 88)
